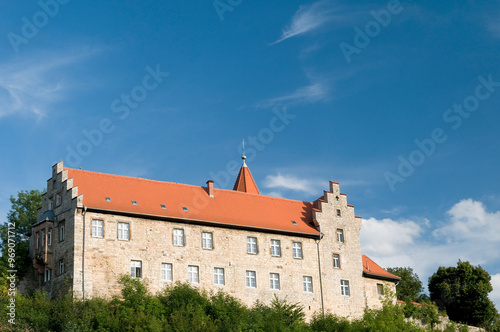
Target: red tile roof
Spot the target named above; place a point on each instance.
(370, 268)
(227, 207)
(245, 183)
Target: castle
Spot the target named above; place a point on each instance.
(92, 227)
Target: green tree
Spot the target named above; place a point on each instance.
(21, 216)
(463, 292)
(410, 286)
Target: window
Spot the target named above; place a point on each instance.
(134, 202)
(274, 280)
(275, 248)
(338, 213)
(297, 250)
(108, 199)
(178, 237)
(218, 276)
(252, 245)
(43, 238)
(163, 206)
(193, 274)
(207, 242)
(97, 228)
(123, 231)
(251, 279)
(37, 240)
(46, 275)
(340, 235)
(61, 266)
(344, 287)
(166, 272)
(380, 289)
(308, 284)
(49, 236)
(61, 231)
(336, 261)
(58, 200)
(136, 269)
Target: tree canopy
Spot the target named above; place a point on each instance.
(463, 292)
(21, 215)
(410, 286)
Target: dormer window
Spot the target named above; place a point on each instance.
(184, 208)
(163, 206)
(108, 199)
(134, 202)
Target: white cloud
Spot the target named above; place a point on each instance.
(378, 235)
(306, 19)
(31, 85)
(470, 221)
(291, 182)
(470, 233)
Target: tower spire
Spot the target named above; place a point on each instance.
(244, 181)
(243, 156)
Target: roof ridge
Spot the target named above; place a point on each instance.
(185, 184)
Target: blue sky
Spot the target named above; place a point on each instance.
(397, 101)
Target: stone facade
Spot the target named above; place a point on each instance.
(89, 261)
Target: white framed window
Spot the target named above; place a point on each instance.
(193, 274)
(251, 279)
(380, 289)
(207, 240)
(336, 261)
(123, 231)
(61, 266)
(219, 276)
(136, 269)
(251, 245)
(61, 231)
(166, 272)
(344, 287)
(340, 235)
(274, 281)
(275, 248)
(37, 240)
(178, 237)
(97, 228)
(43, 238)
(297, 249)
(46, 275)
(308, 284)
(49, 236)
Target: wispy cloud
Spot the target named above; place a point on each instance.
(307, 19)
(31, 85)
(317, 90)
(470, 233)
(292, 182)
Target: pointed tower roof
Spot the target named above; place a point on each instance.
(244, 181)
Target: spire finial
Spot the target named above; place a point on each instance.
(243, 156)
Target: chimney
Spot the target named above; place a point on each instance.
(210, 186)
